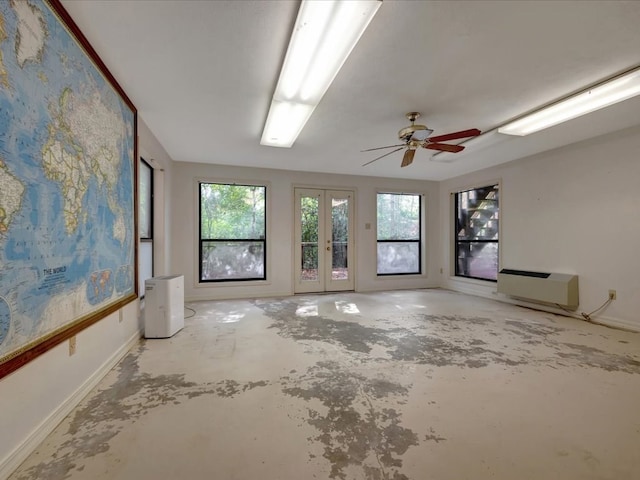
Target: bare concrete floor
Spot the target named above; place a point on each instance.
(423, 384)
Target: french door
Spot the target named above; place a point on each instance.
(323, 240)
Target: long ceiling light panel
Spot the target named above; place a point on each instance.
(602, 95)
(323, 37)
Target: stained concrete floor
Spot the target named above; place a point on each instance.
(423, 384)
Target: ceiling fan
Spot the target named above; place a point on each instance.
(415, 136)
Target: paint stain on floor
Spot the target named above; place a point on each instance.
(359, 426)
(356, 390)
(452, 343)
(106, 413)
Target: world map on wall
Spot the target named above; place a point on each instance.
(66, 180)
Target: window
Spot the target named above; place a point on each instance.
(145, 224)
(476, 233)
(232, 232)
(399, 233)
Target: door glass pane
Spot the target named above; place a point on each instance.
(309, 241)
(339, 238)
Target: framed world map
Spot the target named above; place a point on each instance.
(67, 183)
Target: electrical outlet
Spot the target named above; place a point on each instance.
(612, 295)
(72, 345)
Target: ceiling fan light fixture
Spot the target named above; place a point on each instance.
(421, 134)
(607, 93)
(324, 35)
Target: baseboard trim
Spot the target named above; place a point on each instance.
(597, 320)
(12, 461)
(238, 296)
(471, 287)
(614, 323)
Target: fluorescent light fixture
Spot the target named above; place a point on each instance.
(602, 95)
(323, 37)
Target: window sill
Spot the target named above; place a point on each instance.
(477, 281)
(233, 283)
(399, 276)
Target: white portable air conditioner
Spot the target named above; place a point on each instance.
(163, 306)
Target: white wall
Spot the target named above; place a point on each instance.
(280, 221)
(36, 397)
(571, 210)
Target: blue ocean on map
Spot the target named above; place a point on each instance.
(66, 213)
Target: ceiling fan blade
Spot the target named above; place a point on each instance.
(443, 147)
(382, 156)
(408, 157)
(380, 148)
(473, 132)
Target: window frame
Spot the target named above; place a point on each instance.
(149, 240)
(419, 241)
(146, 165)
(456, 227)
(201, 241)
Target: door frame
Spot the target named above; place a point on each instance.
(324, 282)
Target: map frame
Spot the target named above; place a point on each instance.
(37, 346)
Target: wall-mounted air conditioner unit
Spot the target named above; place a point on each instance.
(553, 288)
(163, 306)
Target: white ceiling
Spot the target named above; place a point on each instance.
(202, 73)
